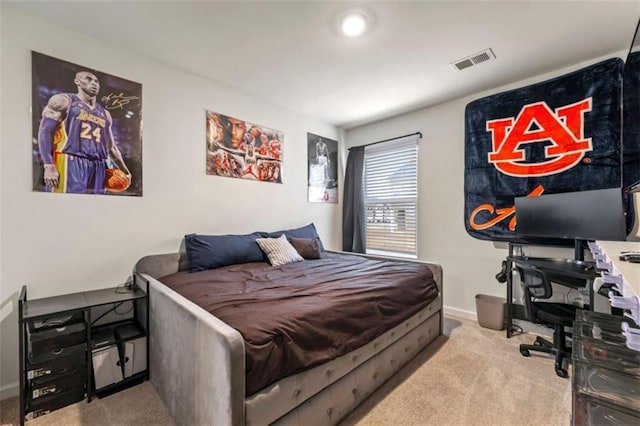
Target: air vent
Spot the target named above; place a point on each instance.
(475, 59)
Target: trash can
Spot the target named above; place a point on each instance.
(490, 311)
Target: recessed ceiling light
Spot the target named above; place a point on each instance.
(353, 24)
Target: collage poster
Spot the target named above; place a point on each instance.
(322, 156)
(87, 130)
(239, 149)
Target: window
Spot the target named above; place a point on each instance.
(391, 197)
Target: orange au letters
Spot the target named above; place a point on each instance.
(536, 122)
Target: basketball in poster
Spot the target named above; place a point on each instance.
(87, 126)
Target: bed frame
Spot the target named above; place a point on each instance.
(198, 362)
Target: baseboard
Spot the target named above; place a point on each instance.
(9, 391)
(525, 325)
(455, 312)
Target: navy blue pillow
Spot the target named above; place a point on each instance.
(214, 251)
(308, 231)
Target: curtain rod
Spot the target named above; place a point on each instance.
(389, 140)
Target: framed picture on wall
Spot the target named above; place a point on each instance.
(87, 130)
(243, 150)
(322, 162)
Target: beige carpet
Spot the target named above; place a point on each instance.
(470, 376)
(139, 405)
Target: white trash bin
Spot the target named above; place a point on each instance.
(490, 311)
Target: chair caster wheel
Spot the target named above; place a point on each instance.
(525, 352)
(561, 372)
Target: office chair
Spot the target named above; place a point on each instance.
(537, 285)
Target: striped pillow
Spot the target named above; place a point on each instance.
(279, 250)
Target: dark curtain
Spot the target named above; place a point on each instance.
(353, 219)
(630, 133)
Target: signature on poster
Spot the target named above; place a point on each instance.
(113, 101)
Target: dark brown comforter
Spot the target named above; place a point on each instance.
(296, 316)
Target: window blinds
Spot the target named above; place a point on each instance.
(391, 197)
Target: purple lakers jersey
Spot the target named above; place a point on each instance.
(83, 133)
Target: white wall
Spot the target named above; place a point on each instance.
(60, 243)
(469, 264)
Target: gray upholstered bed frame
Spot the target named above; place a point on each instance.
(198, 362)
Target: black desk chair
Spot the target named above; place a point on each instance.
(537, 285)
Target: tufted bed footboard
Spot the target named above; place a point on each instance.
(198, 363)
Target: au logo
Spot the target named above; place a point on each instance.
(536, 122)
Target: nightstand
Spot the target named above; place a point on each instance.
(81, 345)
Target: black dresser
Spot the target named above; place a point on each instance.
(81, 345)
(606, 374)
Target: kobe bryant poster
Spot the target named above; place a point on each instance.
(243, 150)
(322, 158)
(87, 129)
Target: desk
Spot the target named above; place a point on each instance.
(567, 272)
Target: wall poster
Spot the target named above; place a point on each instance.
(87, 130)
(559, 135)
(322, 159)
(239, 149)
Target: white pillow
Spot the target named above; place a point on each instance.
(279, 250)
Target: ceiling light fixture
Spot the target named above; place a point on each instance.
(353, 24)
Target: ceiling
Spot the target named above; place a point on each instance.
(290, 54)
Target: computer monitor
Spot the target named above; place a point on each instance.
(582, 215)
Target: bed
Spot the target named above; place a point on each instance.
(204, 368)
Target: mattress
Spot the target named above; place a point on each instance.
(299, 315)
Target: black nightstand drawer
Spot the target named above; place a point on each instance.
(56, 338)
(56, 362)
(47, 404)
(55, 321)
(53, 385)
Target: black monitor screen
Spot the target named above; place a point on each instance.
(583, 215)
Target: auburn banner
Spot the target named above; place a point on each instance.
(631, 121)
(556, 136)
